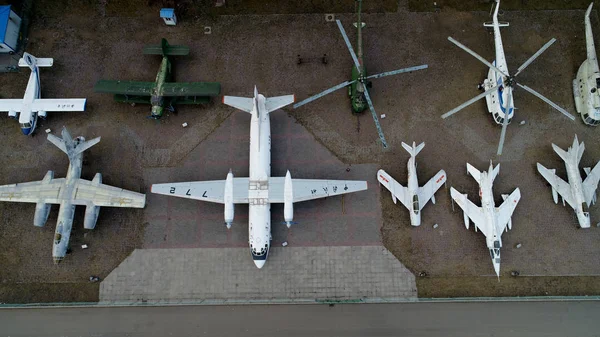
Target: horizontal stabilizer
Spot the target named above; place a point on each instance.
(413, 150)
(165, 49)
(241, 103)
(278, 102)
(31, 61)
(70, 146)
(564, 155)
(474, 173)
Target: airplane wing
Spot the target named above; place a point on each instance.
(34, 192)
(125, 87)
(474, 212)
(429, 189)
(191, 89)
(90, 193)
(58, 104)
(7, 105)
(591, 183)
(309, 189)
(398, 191)
(505, 211)
(562, 187)
(211, 191)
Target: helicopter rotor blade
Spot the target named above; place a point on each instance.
(354, 58)
(474, 54)
(469, 102)
(534, 56)
(552, 104)
(321, 94)
(376, 119)
(505, 123)
(399, 71)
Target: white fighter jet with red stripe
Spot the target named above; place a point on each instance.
(489, 219)
(413, 197)
(260, 190)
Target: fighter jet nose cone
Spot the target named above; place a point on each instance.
(259, 263)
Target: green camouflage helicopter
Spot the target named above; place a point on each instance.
(359, 84)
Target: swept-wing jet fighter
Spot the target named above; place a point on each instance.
(499, 85)
(162, 93)
(359, 85)
(576, 191)
(70, 192)
(260, 190)
(488, 218)
(413, 197)
(587, 82)
(32, 106)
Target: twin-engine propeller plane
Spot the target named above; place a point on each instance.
(413, 197)
(359, 84)
(489, 219)
(587, 82)
(577, 191)
(499, 85)
(161, 94)
(260, 190)
(69, 192)
(32, 106)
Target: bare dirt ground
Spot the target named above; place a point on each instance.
(91, 41)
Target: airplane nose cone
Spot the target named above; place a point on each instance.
(259, 263)
(26, 131)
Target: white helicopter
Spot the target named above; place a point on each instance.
(587, 82)
(499, 85)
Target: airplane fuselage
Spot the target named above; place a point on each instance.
(499, 103)
(576, 182)
(413, 188)
(156, 99)
(27, 117)
(493, 241)
(64, 223)
(259, 209)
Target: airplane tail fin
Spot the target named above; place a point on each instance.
(32, 62)
(72, 147)
(413, 150)
(495, 21)
(165, 49)
(474, 173)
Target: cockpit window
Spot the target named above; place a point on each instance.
(416, 204)
(57, 238)
(25, 125)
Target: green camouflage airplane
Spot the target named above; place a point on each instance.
(161, 94)
(359, 84)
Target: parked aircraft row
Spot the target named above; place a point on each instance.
(260, 189)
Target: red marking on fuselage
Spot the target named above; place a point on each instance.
(437, 181)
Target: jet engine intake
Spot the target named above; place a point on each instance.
(228, 200)
(91, 217)
(288, 200)
(42, 114)
(13, 114)
(42, 210)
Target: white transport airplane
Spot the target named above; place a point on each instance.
(260, 190)
(587, 82)
(499, 85)
(576, 191)
(32, 105)
(488, 218)
(69, 192)
(413, 197)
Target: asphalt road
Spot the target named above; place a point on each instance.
(414, 319)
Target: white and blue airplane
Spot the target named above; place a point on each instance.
(577, 191)
(499, 85)
(260, 190)
(32, 106)
(413, 197)
(489, 219)
(587, 82)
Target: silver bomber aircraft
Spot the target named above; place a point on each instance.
(70, 192)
